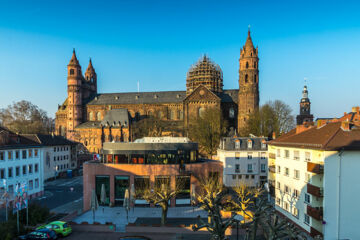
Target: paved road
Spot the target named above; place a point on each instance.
(59, 193)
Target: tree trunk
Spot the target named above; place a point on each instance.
(164, 214)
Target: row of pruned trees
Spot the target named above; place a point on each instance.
(214, 198)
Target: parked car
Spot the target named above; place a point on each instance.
(44, 233)
(60, 228)
(134, 238)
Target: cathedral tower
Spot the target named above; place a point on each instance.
(90, 86)
(305, 115)
(74, 113)
(248, 100)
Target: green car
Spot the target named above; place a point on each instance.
(59, 227)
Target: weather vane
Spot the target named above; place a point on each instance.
(249, 27)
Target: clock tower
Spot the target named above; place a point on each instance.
(305, 115)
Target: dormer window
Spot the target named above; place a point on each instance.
(155, 96)
(137, 97)
(249, 144)
(263, 144)
(237, 144)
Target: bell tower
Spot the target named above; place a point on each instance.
(305, 115)
(248, 100)
(74, 80)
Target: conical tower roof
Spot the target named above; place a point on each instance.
(90, 67)
(249, 44)
(73, 60)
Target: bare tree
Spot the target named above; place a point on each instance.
(160, 195)
(25, 117)
(212, 198)
(271, 117)
(207, 130)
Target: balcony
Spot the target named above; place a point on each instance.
(272, 155)
(314, 232)
(315, 212)
(315, 168)
(314, 190)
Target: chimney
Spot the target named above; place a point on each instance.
(302, 127)
(345, 125)
(273, 135)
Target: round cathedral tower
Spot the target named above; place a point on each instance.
(204, 72)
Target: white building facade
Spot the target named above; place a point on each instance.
(59, 154)
(313, 172)
(20, 162)
(244, 160)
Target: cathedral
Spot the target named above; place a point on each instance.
(92, 118)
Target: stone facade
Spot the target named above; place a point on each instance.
(81, 116)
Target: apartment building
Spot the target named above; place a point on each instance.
(313, 172)
(59, 154)
(20, 162)
(244, 160)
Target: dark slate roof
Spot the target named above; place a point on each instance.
(230, 95)
(141, 97)
(153, 97)
(228, 143)
(9, 140)
(116, 117)
(89, 124)
(48, 140)
(112, 118)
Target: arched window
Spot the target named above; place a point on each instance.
(231, 113)
(71, 71)
(180, 114)
(201, 111)
(246, 78)
(172, 114)
(98, 116)
(255, 78)
(247, 65)
(91, 116)
(62, 131)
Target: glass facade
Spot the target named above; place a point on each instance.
(121, 184)
(152, 157)
(99, 181)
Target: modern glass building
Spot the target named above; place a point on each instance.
(146, 163)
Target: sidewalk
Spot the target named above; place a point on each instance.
(117, 215)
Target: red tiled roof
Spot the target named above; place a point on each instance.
(328, 137)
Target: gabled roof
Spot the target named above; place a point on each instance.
(9, 139)
(202, 93)
(48, 140)
(328, 137)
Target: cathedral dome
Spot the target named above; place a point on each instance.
(204, 72)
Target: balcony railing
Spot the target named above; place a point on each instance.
(314, 190)
(315, 212)
(315, 168)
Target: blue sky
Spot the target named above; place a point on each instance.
(155, 43)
